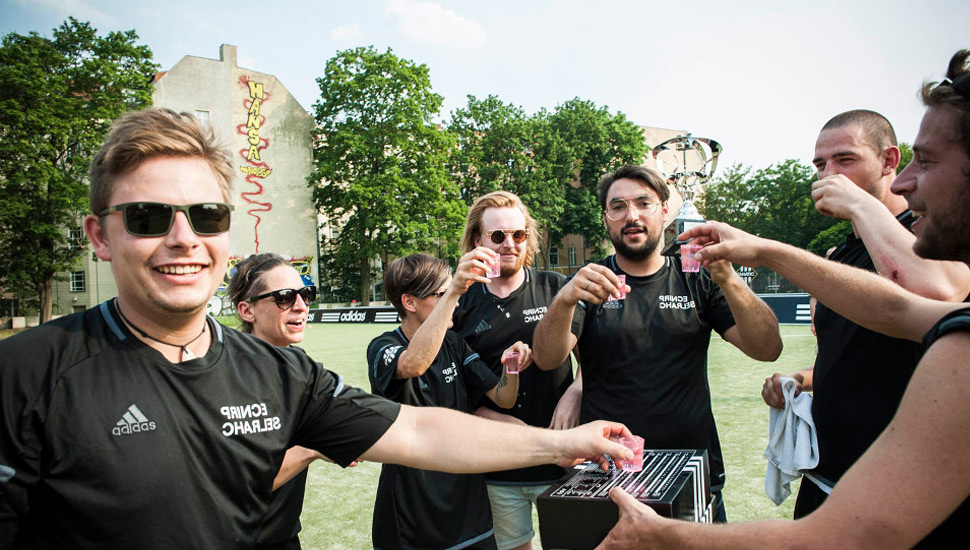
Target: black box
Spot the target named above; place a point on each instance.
(576, 512)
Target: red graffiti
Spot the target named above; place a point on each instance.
(256, 169)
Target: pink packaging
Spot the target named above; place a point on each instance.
(512, 363)
(635, 444)
(688, 263)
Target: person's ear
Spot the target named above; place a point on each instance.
(99, 239)
(890, 160)
(409, 302)
(246, 313)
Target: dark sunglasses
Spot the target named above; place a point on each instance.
(154, 219)
(285, 298)
(498, 235)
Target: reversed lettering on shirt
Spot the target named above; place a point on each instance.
(533, 315)
(450, 373)
(248, 419)
(668, 301)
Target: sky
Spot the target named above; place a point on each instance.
(760, 77)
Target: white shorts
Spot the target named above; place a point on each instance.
(512, 513)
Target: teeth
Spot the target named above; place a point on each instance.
(179, 269)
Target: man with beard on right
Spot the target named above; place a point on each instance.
(644, 356)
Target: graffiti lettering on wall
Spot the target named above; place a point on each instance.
(256, 169)
(301, 265)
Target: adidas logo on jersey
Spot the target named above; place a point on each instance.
(133, 421)
(483, 327)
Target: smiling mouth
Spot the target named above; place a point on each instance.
(179, 269)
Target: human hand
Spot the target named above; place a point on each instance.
(837, 196)
(472, 268)
(593, 284)
(721, 272)
(566, 414)
(772, 393)
(632, 529)
(723, 242)
(593, 441)
(524, 351)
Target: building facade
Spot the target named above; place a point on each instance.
(269, 133)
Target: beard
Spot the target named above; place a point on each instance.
(635, 253)
(511, 270)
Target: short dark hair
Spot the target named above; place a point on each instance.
(247, 281)
(645, 175)
(954, 92)
(419, 275)
(876, 127)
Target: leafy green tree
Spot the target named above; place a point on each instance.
(57, 101)
(905, 155)
(380, 163)
(500, 147)
(774, 202)
(598, 142)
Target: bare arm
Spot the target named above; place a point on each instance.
(755, 331)
(506, 390)
(890, 245)
(863, 297)
(426, 341)
(432, 438)
(553, 340)
(295, 461)
(864, 510)
(567, 410)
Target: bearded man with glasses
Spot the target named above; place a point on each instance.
(493, 315)
(142, 423)
(644, 356)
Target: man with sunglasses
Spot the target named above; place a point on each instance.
(644, 356)
(911, 488)
(490, 317)
(143, 424)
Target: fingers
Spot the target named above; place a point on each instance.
(595, 284)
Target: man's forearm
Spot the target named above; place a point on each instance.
(757, 326)
(551, 342)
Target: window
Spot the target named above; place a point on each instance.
(572, 255)
(203, 117)
(553, 256)
(75, 238)
(77, 281)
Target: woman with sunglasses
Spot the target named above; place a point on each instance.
(273, 303)
(424, 364)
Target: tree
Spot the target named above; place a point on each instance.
(598, 142)
(58, 99)
(905, 155)
(774, 202)
(380, 163)
(500, 147)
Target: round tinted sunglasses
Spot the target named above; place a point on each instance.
(154, 219)
(285, 298)
(498, 235)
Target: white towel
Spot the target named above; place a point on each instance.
(792, 442)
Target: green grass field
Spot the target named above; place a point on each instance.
(339, 503)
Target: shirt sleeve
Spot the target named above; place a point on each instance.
(716, 307)
(479, 379)
(383, 353)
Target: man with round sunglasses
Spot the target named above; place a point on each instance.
(644, 356)
(142, 423)
(491, 316)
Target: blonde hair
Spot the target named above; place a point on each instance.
(139, 136)
(499, 199)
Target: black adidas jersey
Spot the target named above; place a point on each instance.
(489, 325)
(860, 376)
(114, 447)
(644, 359)
(420, 508)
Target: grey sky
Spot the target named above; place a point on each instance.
(761, 77)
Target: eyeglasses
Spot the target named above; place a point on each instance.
(438, 294)
(498, 235)
(617, 209)
(285, 298)
(154, 219)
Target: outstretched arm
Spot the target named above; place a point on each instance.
(432, 438)
(755, 331)
(863, 297)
